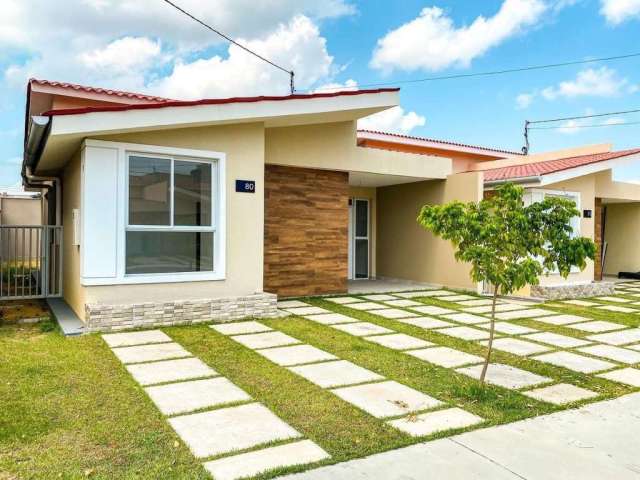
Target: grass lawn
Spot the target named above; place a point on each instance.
(68, 408)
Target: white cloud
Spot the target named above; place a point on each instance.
(524, 100)
(619, 11)
(123, 54)
(297, 45)
(432, 41)
(393, 120)
(349, 85)
(602, 82)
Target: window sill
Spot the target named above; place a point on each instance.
(155, 278)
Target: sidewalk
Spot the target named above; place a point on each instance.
(599, 441)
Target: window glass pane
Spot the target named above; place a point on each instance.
(362, 218)
(149, 193)
(192, 193)
(362, 258)
(169, 252)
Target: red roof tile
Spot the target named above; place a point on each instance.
(443, 142)
(552, 166)
(212, 101)
(102, 91)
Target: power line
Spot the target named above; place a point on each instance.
(571, 127)
(231, 40)
(581, 117)
(493, 72)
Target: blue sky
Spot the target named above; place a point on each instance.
(144, 45)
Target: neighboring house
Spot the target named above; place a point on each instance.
(180, 211)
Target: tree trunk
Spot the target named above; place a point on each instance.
(492, 333)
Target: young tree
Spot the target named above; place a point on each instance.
(507, 244)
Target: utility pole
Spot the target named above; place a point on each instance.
(525, 149)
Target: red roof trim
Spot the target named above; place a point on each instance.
(98, 90)
(552, 166)
(213, 101)
(443, 142)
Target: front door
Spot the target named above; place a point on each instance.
(359, 238)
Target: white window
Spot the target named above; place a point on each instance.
(170, 215)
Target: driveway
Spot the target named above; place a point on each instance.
(598, 441)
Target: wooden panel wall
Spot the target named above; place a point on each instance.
(305, 231)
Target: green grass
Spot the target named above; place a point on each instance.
(68, 408)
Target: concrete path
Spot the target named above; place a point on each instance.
(598, 441)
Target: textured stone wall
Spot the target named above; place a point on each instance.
(558, 292)
(597, 238)
(102, 317)
(306, 224)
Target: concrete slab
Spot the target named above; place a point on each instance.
(432, 310)
(613, 299)
(379, 297)
(505, 307)
(623, 337)
(427, 323)
(628, 376)
(127, 339)
(170, 371)
(598, 326)
(457, 298)
(393, 313)
(386, 399)
(479, 302)
(422, 293)
(465, 333)
(468, 318)
(256, 341)
(307, 310)
(335, 374)
(528, 313)
(399, 341)
(558, 340)
(362, 329)
(618, 309)
(562, 319)
(575, 362)
(343, 300)
(284, 304)
(633, 347)
(70, 324)
(505, 376)
(253, 463)
(617, 354)
(432, 422)
(403, 303)
(509, 328)
(150, 353)
(228, 429)
(560, 394)
(330, 318)
(183, 397)
(580, 303)
(296, 355)
(516, 346)
(365, 306)
(445, 357)
(238, 328)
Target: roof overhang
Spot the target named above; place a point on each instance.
(69, 128)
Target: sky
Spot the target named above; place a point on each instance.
(147, 46)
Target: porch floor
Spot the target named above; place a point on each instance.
(379, 285)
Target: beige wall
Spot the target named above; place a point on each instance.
(607, 188)
(244, 147)
(369, 194)
(20, 211)
(332, 146)
(404, 249)
(74, 293)
(622, 233)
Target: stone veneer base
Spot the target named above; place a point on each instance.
(560, 292)
(107, 317)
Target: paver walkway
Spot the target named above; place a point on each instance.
(231, 419)
(596, 442)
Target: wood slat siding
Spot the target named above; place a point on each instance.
(305, 231)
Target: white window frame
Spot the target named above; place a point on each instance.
(218, 207)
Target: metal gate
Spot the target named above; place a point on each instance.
(30, 261)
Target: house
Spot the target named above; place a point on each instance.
(182, 211)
